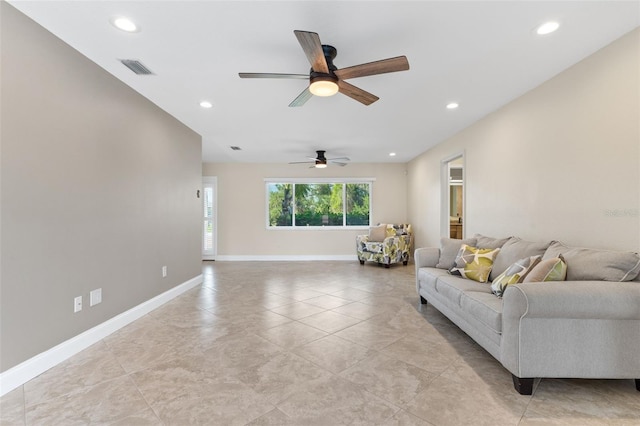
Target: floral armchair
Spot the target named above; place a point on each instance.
(385, 244)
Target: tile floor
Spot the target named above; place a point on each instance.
(302, 343)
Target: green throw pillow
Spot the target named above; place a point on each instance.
(554, 269)
(474, 263)
(514, 274)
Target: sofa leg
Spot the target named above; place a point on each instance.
(361, 261)
(405, 262)
(386, 265)
(424, 302)
(523, 386)
(638, 385)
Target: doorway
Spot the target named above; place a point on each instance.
(210, 208)
(453, 200)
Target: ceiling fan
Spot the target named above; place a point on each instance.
(320, 161)
(325, 79)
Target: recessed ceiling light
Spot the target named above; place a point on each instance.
(452, 105)
(124, 24)
(206, 104)
(392, 154)
(547, 28)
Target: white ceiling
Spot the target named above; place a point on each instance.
(481, 54)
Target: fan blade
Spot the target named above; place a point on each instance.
(302, 162)
(339, 164)
(312, 47)
(356, 93)
(302, 98)
(339, 158)
(372, 68)
(271, 75)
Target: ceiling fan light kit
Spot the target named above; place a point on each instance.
(325, 79)
(323, 85)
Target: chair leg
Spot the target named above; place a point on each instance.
(638, 385)
(523, 386)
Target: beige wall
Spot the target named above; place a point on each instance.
(242, 209)
(561, 162)
(98, 190)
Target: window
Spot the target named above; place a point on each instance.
(333, 203)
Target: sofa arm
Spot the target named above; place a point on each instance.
(361, 242)
(585, 329)
(573, 299)
(426, 257)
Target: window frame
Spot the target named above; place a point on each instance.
(338, 181)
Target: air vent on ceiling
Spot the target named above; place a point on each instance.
(136, 66)
(236, 148)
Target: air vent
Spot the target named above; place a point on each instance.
(236, 148)
(136, 66)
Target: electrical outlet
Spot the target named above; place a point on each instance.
(77, 304)
(95, 297)
(164, 272)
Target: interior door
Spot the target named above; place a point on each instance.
(209, 240)
(452, 198)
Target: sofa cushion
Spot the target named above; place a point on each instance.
(484, 307)
(489, 242)
(449, 249)
(474, 263)
(514, 274)
(585, 264)
(378, 233)
(452, 287)
(513, 250)
(428, 276)
(553, 269)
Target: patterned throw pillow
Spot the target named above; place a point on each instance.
(514, 274)
(474, 263)
(554, 269)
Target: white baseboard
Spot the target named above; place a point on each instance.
(33, 367)
(285, 257)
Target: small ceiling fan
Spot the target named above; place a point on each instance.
(325, 79)
(320, 161)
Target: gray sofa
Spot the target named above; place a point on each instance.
(585, 327)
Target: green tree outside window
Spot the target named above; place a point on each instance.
(319, 204)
